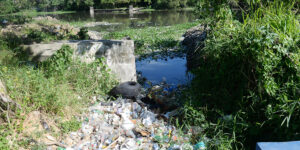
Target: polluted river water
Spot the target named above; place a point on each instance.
(118, 21)
(130, 125)
(171, 70)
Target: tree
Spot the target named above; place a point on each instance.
(89, 2)
(56, 3)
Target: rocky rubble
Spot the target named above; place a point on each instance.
(56, 28)
(49, 25)
(125, 124)
(193, 42)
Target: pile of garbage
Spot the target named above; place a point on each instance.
(125, 124)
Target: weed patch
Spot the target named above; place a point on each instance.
(54, 86)
(69, 126)
(248, 83)
(153, 38)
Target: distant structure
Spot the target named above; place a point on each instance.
(92, 12)
(131, 10)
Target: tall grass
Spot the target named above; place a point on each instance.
(56, 83)
(248, 84)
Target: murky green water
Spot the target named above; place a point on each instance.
(171, 70)
(125, 20)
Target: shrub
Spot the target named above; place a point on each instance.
(83, 34)
(251, 71)
(59, 62)
(37, 36)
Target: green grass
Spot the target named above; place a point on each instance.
(57, 83)
(77, 24)
(153, 38)
(60, 87)
(188, 8)
(71, 125)
(148, 10)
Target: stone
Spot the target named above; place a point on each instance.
(94, 35)
(119, 54)
(193, 42)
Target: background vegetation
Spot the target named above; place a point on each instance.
(9, 6)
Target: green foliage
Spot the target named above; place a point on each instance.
(60, 62)
(213, 7)
(153, 38)
(20, 19)
(39, 147)
(250, 71)
(36, 35)
(3, 141)
(83, 34)
(6, 6)
(71, 125)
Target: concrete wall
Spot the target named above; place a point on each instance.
(193, 42)
(119, 54)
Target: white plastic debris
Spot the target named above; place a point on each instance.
(127, 124)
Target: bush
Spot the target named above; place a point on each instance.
(37, 36)
(60, 62)
(251, 72)
(83, 34)
(16, 19)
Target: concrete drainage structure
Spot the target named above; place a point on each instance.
(119, 54)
